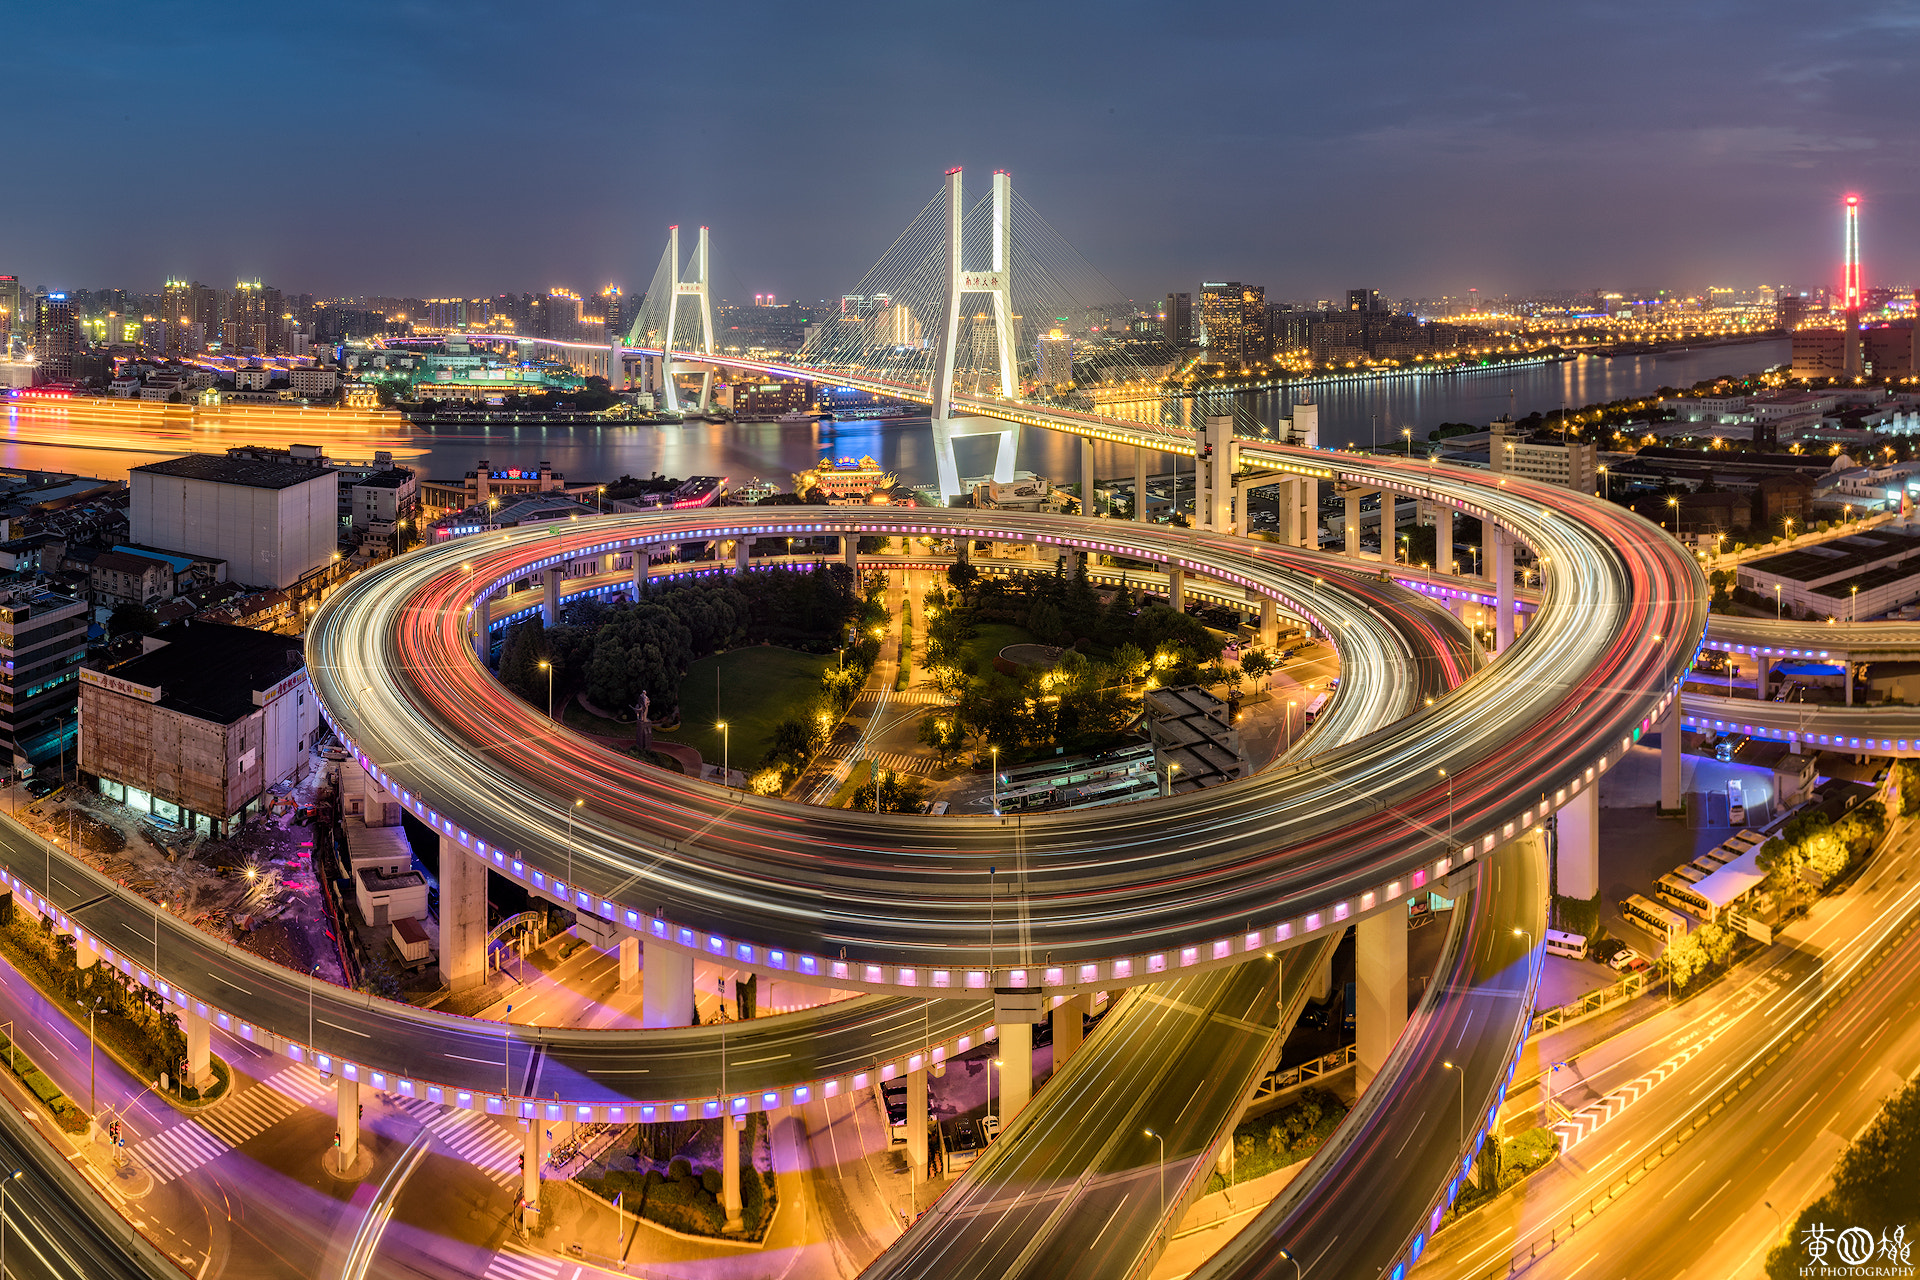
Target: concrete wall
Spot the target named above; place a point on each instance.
(268, 537)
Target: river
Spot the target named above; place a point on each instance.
(47, 437)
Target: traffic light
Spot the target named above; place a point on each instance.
(361, 1113)
(336, 1137)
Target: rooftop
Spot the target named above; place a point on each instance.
(210, 671)
(390, 479)
(254, 474)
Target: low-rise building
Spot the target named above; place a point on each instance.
(1572, 464)
(1859, 576)
(313, 380)
(843, 482)
(121, 577)
(198, 729)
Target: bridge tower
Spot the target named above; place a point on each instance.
(694, 288)
(997, 284)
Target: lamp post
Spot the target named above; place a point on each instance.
(548, 668)
(1463, 1101)
(506, 1054)
(312, 975)
(1288, 1255)
(1776, 602)
(1163, 1185)
(1853, 604)
(1408, 433)
(1551, 1073)
(1673, 505)
(571, 811)
(92, 1101)
(726, 755)
(1449, 780)
(1606, 484)
(995, 753)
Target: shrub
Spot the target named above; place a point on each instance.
(711, 1181)
(679, 1169)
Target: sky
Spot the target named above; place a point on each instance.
(426, 148)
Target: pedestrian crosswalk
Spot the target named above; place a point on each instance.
(899, 762)
(512, 1263)
(480, 1142)
(179, 1150)
(907, 698)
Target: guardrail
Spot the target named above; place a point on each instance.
(1594, 1001)
(1278, 1082)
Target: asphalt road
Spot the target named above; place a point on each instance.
(1701, 1209)
(1353, 1208)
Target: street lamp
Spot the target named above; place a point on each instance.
(91, 1100)
(1291, 704)
(1449, 779)
(1288, 1255)
(312, 974)
(1461, 1073)
(1853, 604)
(1673, 505)
(570, 816)
(995, 753)
(1776, 602)
(548, 668)
(1555, 1070)
(1163, 1184)
(726, 755)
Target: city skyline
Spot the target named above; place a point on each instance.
(1423, 176)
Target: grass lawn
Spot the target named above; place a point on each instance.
(759, 687)
(992, 638)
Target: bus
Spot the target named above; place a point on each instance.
(1662, 922)
(1679, 892)
(1571, 945)
(1315, 707)
(1690, 873)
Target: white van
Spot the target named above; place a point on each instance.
(1571, 945)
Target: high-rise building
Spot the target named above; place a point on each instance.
(14, 316)
(1235, 318)
(56, 336)
(246, 313)
(1054, 358)
(1176, 322)
(1365, 300)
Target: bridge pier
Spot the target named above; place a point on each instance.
(550, 580)
(850, 548)
(1176, 588)
(642, 566)
(1670, 758)
(1389, 529)
(629, 964)
(463, 916)
(1577, 864)
(1089, 506)
(482, 630)
(1069, 1028)
(1443, 560)
(1763, 678)
(1351, 528)
(742, 548)
(730, 1127)
(1380, 995)
(1269, 623)
(666, 989)
(1016, 1070)
(1140, 484)
(1502, 589)
(199, 1072)
(529, 1173)
(917, 1122)
(346, 1103)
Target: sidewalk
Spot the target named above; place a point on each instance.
(1215, 1219)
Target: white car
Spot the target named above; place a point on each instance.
(1623, 960)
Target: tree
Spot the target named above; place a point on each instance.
(898, 794)
(1257, 665)
(943, 732)
(128, 618)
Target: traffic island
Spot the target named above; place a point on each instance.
(126, 1176)
(353, 1170)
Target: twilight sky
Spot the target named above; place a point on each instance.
(437, 148)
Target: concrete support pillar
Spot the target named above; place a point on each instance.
(850, 548)
(666, 989)
(1762, 679)
(1069, 1028)
(1089, 506)
(1320, 985)
(1847, 665)
(1443, 540)
(1353, 526)
(1176, 587)
(642, 564)
(199, 1048)
(530, 1174)
(1578, 864)
(1016, 1070)
(730, 1168)
(1380, 995)
(463, 916)
(1502, 589)
(86, 952)
(1670, 758)
(742, 547)
(1286, 498)
(346, 1097)
(1269, 623)
(550, 580)
(629, 965)
(1140, 485)
(917, 1122)
(1389, 525)
(482, 635)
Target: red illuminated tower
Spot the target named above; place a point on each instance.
(1852, 289)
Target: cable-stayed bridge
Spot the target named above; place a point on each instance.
(986, 314)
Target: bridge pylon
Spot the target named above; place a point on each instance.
(695, 290)
(997, 284)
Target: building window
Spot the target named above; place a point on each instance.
(115, 791)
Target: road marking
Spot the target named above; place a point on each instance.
(750, 1062)
(1682, 1178)
(1803, 1106)
(1582, 1267)
(1709, 1200)
(349, 1030)
(1110, 1217)
(512, 1263)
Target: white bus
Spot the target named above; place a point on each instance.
(1571, 945)
(1315, 707)
(1662, 922)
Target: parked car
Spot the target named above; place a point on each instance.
(1627, 959)
(40, 787)
(964, 1144)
